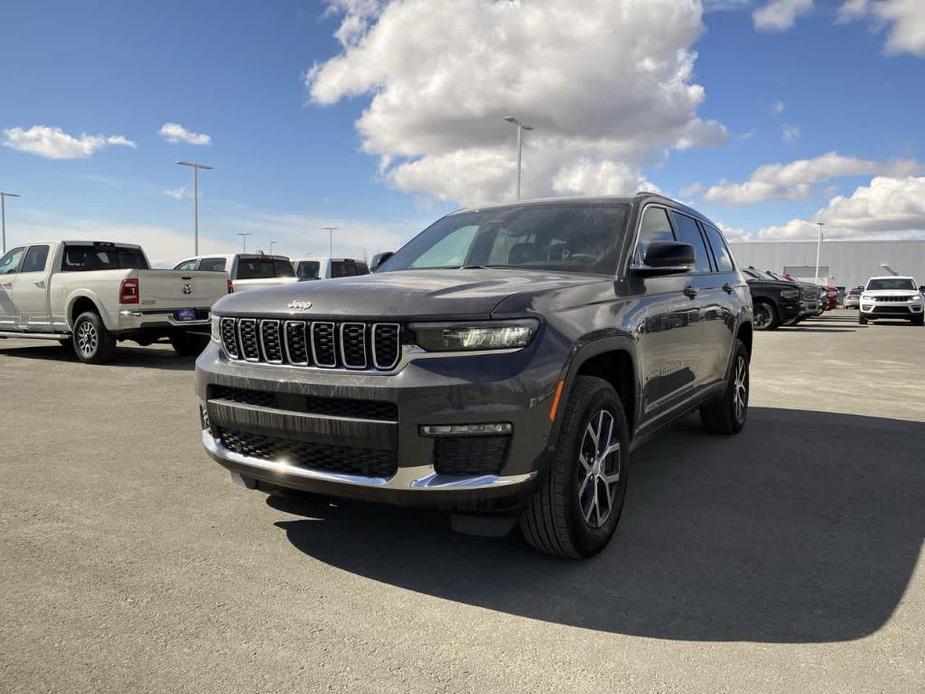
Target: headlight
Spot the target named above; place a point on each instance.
(216, 329)
(917, 297)
(790, 293)
(866, 297)
(452, 337)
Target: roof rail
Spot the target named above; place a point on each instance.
(647, 192)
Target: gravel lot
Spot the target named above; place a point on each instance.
(785, 559)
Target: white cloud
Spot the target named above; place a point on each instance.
(54, 143)
(905, 19)
(692, 191)
(795, 180)
(789, 133)
(888, 205)
(777, 108)
(178, 193)
(780, 15)
(174, 133)
(608, 84)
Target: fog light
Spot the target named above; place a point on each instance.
(466, 429)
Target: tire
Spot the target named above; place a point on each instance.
(766, 317)
(918, 320)
(189, 344)
(862, 320)
(727, 413)
(564, 517)
(92, 342)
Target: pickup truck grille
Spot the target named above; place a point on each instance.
(321, 344)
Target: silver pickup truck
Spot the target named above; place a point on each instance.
(88, 295)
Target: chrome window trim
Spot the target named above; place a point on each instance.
(343, 353)
(263, 347)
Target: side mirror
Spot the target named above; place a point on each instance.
(666, 258)
(378, 259)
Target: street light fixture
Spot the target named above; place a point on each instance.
(3, 197)
(330, 231)
(244, 235)
(272, 243)
(521, 126)
(818, 249)
(195, 167)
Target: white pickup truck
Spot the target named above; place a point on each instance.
(90, 294)
(246, 270)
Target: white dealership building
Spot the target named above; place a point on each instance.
(841, 263)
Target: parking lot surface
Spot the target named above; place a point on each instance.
(785, 559)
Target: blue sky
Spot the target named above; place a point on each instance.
(287, 164)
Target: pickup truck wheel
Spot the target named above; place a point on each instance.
(189, 344)
(93, 343)
(575, 512)
(726, 414)
(765, 316)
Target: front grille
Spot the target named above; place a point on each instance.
(322, 344)
(892, 299)
(309, 404)
(470, 455)
(367, 462)
(809, 293)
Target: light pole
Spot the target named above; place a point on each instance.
(272, 243)
(195, 167)
(244, 235)
(3, 197)
(818, 249)
(330, 231)
(521, 126)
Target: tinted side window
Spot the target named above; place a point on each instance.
(655, 227)
(309, 269)
(10, 262)
(689, 232)
(35, 259)
(187, 265)
(212, 265)
(720, 252)
(102, 257)
(343, 268)
(283, 268)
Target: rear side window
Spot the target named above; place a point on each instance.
(10, 262)
(689, 232)
(35, 260)
(187, 265)
(283, 268)
(212, 265)
(100, 257)
(343, 268)
(655, 227)
(720, 252)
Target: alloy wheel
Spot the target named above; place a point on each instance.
(740, 388)
(87, 339)
(599, 468)
(763, 316)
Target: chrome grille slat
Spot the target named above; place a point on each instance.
(324, 349)
(324, 344)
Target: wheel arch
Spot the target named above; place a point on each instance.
(81, 303)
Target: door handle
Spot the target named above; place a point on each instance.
(40, 284)
(690, 292)
(727, 288)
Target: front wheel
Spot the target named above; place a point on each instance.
(765, 316)
(93, 343)
(726, 414)
(576, 511)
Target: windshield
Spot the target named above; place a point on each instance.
(102, 257)
(562, 237)
(891, 283)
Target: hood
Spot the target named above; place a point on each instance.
(890, 292)
(773, 284)
(405, 294)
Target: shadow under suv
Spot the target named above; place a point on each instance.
(501, 365)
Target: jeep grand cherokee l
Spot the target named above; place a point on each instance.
(502, 365)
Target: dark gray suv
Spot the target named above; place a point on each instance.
(502, 365)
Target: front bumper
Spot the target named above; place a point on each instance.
(891, 309)
(512, 388)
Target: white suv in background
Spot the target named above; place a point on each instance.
(246, 270)
(892, 297)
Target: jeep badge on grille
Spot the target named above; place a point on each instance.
(300, 305)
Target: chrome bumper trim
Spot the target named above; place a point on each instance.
(417, 478)
(161, 316)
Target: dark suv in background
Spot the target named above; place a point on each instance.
(502, 365)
